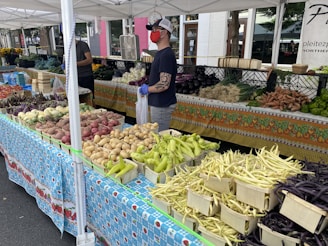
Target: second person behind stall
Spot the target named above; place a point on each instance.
(84, 62)
(161, 88)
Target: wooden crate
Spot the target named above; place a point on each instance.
(272, 238)
(260, 198)
(241, 223)
(303, 213)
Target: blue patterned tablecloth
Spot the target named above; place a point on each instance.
(118, 214)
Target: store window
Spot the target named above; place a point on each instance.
(290, 33)
(175, 36)
(116, 30)
(81, 32)
(192, 17)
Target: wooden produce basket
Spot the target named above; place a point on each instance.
(186, 220)
(212, 237)
(224, 185)
(141, 166)
(155, 177)
(130, 175)
(272, 238)
(163, 205)
(260, 198)
(171, 132)
(241, 223)
(201, 203)
(66, 148)
(303, 213)
(299, 68)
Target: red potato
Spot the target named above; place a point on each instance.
(60, 133)
(66, 139)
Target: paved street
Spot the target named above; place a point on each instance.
(22, 222)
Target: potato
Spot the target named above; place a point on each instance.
(96, 138)
(124, 154)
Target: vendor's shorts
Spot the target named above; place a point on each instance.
(87, 82)
(162, 116)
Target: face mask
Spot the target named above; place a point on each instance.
(155, 36)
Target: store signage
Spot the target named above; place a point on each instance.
(313, 48)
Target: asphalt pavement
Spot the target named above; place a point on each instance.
(22, 223)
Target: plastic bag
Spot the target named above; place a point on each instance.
(58, 86)
(10, 78)
(141, 108)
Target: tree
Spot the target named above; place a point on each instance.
(235, 33)
(293, 13)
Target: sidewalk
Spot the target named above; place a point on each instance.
(22, 222)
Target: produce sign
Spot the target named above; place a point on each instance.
(8, 90)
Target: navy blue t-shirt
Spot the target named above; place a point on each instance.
(164, 61)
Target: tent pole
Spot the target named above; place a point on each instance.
(249, 33)
(277, 32)
(68, 20)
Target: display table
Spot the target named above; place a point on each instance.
(305, 136)
(301, 135)
(85, 94)
(119, 215)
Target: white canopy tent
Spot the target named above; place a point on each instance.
(123, 9)
(114, 9)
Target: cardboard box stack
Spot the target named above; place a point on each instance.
(35, 85)
(44, 85)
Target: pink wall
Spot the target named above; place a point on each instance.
(102, 39)
(141, 31)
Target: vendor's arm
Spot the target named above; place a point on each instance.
(162, 85)
(88, 60)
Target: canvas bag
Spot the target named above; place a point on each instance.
(141, 108)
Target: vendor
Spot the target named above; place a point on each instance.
(84, 62)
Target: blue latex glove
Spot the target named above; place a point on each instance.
(144, 89)
(62, 66)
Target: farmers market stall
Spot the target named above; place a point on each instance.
(85, 94)
(117, 214)
(302, 135)
(305, 136)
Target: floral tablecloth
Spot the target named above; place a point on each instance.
(119, 215)
(304, 136)
(301, 135)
